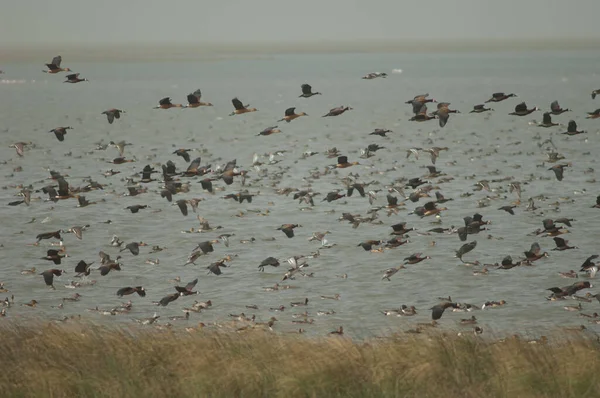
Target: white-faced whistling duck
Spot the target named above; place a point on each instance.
(165, 103)
(54, 66)
(269, 131)
(443, 113)
(74, 78)
(555, 108)
(594, 93)
(593, 115)
(498, 97)
(342, 162)
(54, 255)
(83, 269)
(272, 261)
(288, 229)
(307, 91)
(438, 310)
(112, 114)
(521, 110)
(337, 111)
(562, 244)
(194, 100)
(240, 108)
(480, 109)
(422, 115)
(558, 170)
(572, 129)
(60, 132)
(547, 120)
(291, 115)
(464, 249)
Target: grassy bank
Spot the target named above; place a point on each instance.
(73, 360)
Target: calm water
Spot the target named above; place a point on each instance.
(480, 146)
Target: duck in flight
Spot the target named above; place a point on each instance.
(480, 109)
(547, 121)
(240, 107)
(337, 111)
(521, 110)
(499, 97)
(290, 115)
(194, 100)
(60, 132)
(572, 129)
(165, 103)
(555, 108)
(307, 91)
(74, 78)
(112, 114)
(54, 66)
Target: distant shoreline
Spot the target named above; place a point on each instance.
(228, 50)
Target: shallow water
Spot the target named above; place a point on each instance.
(479, 145)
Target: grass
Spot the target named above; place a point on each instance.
(86, 360)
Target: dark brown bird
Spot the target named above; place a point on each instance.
(547, 121)
(82, 268)
(521, 110)
(270, 130)
(558, 170)
(380, 132)
(508, 209)
(562, 244)
(183, 153)
(74, 78)
(272, 261)
(109, 266)
(288, 229)
(169, 299)
(133, 247)
(593, 115)
(165, 103)
(55, 256)
(555, 108)
(421, 115)
(207, 246)
(49, 276)
(126, 291)
(438, 310)
(112, 114)
(480, 109)
(337, 111)
(194, 100)
(416, 258)
(290, 115)
(572, 129)
(187, 289)
(136, 208)
(240, 108)
(535, 253)
(215, 268)
(60, 132)
(49, 235)
(307, 91)
(498, 97)
(565, 291)
(54, 66)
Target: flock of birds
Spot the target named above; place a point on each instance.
(398, 192)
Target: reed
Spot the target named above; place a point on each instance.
(87, 360)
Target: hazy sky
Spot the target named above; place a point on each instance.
(185, 21)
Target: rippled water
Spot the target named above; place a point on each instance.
(480, 147)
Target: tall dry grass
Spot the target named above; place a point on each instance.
(83, 360)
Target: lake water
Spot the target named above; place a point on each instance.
(481, 146)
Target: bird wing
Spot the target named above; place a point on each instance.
(237, 104)
(306, 89)
(554, 106)
(290, 111)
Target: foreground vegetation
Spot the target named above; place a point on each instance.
(84, 360)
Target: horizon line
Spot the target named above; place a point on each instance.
(137, 50)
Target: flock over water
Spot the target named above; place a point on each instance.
(399, 203)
